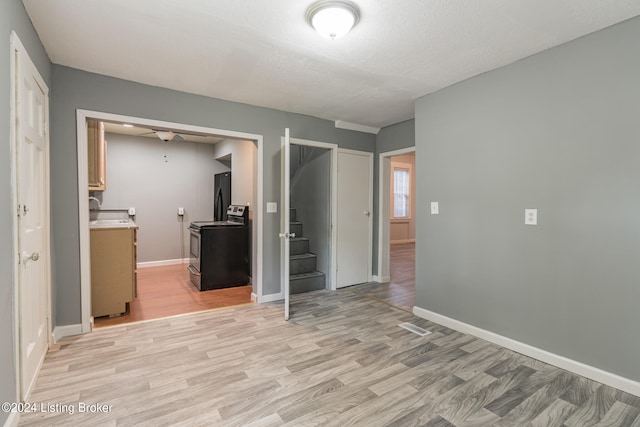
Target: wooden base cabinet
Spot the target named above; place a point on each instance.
(113, 270)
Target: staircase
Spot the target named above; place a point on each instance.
(303, 274)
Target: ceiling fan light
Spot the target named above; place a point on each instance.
(333, 19)
(165, 135)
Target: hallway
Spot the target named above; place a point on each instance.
(401, 290)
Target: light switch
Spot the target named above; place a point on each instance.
(272, 207)
(531, 216)
(435, 209)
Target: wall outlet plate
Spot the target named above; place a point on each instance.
(531, 216)
(132, 211)
(272, 207)
(180, 211)
(435, 208)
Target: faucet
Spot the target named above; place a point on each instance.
(97, 201)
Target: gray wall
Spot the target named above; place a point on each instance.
(138, 175)
(78, 89)
(559, 132)
(311, 196)
(12, 17)
(391, 138)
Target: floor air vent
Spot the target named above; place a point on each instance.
(415, 329)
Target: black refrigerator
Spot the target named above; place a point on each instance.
(221, 195)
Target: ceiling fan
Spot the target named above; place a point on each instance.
(166, 135)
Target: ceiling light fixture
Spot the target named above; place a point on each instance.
(333, 19)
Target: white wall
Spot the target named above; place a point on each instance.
(139, 175)
(404, 230)
(243, 169)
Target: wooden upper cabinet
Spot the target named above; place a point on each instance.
(97, 150)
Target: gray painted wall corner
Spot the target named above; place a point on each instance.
(558, 132)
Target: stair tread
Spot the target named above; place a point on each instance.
(305, 275)
(303, 256)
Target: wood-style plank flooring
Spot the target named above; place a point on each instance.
(401, 290)
(167, 291)
(341, 360)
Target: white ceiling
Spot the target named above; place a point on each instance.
(264, 53)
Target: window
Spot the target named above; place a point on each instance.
(401, 179)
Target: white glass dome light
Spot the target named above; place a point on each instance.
(333, 19)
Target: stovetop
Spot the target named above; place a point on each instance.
(212, 224)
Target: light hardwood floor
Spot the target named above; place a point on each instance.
(167, 291)
(341, 360)
(401, 290)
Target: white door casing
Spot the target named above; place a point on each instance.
(384, 209)
(284, 219)
(33, 222)
(354, 225)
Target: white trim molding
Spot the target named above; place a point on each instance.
(381, 279)
(162, 262)
(579, 368)
(340, 124)
(254, 297)
(272, 297)
(384, 207)
(13, 420)
(66, 331)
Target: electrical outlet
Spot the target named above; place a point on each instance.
(435, 208)
(132, 211)
(531, 216)
(272, 207)
(180, 211)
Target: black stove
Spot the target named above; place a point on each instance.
(219, 251)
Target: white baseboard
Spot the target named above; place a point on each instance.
(271, 297)
(254, 297)
(395, 242)
(381, 279)
(591, 372)
(163, 262)
(60, 332)
(13, 420)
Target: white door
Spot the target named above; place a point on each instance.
(33, 218)
(355, 194)
(284, 219)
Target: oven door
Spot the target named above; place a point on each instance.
(194, 250)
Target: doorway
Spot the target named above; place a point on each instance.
(172, 128)
(396, 226)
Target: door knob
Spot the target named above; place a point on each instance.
(287, 235)
(33, 257)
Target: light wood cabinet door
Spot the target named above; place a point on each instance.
(113, 270)
(97, 151)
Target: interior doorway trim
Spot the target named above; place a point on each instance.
(334, 202)
(83, 202)
(384, 209)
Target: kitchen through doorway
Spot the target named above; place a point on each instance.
(160, 177)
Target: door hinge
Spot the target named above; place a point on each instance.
(19, 210)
